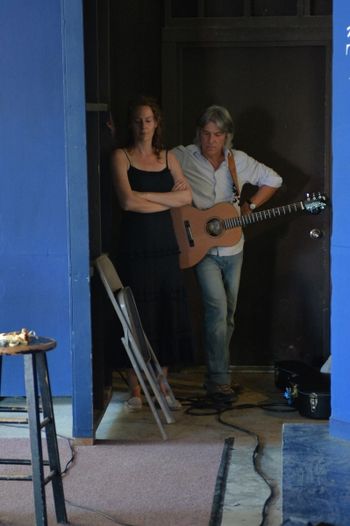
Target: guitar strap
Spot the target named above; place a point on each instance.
(233, 171)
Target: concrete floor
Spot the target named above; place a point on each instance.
(257, 418)
(249, 423)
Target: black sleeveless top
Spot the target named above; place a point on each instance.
(150, 234)
(147, 261)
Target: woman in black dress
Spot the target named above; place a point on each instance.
(149, 181)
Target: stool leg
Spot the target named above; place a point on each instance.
(51, 437)
(31, 383)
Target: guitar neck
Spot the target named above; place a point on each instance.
(262, 215)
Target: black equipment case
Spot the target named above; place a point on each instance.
(304, 387)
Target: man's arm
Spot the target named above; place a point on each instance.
(259, 198)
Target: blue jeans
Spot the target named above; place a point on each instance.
(218, 278)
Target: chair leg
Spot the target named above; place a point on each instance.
(144, 388)
(51, 438)
(31, 384)
(158, 372)
(153, 381)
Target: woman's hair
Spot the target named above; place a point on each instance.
(219, 116)
(144, 100)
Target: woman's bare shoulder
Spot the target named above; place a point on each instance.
(119, 156)
(172, 159)
(119, 152)
(171, 154)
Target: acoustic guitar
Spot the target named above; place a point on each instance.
(199, 230)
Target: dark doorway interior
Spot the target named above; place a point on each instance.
(272, 71)
(281, 121)
(271, 68)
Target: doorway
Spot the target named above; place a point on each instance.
(272, 70)
(274, 77)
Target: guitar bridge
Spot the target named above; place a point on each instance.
(189, 233)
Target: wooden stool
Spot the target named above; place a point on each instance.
(37, 383)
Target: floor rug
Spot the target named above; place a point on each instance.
(173, 483)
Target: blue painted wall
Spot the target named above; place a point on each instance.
(340, 245)
(44, 257)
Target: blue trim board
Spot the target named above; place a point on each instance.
(78, 235)
(315, 476)
(340, 242)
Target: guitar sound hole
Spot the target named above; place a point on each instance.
(214, 227)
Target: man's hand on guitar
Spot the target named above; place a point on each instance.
(245, 209)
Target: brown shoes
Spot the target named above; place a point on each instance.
(222, 392)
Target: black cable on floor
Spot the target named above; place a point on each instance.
(68, 466)
(98, 512)
(202, 406)
(205, 406)
(255, 455)
(70, 462)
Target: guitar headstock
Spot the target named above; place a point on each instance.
(315, 203)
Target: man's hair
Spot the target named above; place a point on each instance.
(219, 116)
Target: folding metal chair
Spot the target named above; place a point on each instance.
(137, 346)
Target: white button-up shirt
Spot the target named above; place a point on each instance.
(210, 186)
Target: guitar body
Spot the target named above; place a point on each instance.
(199, 230)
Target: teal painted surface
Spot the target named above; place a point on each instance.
(44, 259)
(340, 244)
(316, 476)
